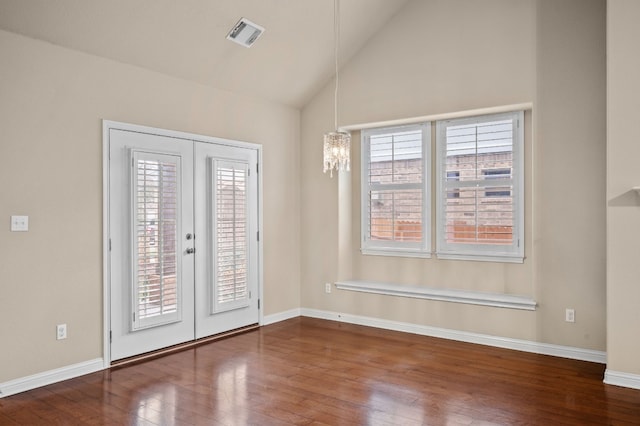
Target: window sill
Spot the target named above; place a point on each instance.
(499, 300)
(481, 258)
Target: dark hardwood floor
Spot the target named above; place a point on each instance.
(309, 371)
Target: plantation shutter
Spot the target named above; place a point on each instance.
(156, 261)
(480, 175)
(231, 251)
(394, 190)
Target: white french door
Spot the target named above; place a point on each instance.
(183, 239)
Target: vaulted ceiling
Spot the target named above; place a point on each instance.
(186, 39)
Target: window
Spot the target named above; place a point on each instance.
(480, 174)
(396, 191)
(454, 192)
(479, 184)
(496, 174)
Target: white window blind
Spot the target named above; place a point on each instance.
(480, 187)
(395, 190)
(231, 234)
(155, 201)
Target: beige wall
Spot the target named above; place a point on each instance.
(571, 167)
(623, 173)
(498, 52)
(51, 105)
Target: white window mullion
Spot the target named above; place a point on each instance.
(395, 187)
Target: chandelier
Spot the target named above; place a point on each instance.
(337, 144)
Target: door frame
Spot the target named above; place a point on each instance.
(107, 126)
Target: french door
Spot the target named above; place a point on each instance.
(183, 239)
(226, 275)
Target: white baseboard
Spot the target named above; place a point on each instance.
(611, 377)
(464, 336)
(280, 316)
(52, 376)
(618, 378)
(24, 384)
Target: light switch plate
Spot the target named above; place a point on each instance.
(19, 223)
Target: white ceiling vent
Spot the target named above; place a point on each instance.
(245, 32)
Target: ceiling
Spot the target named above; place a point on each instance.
(288, 64)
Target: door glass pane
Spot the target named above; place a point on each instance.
(231, 227)
(155, 203)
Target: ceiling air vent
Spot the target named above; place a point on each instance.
(245, 32)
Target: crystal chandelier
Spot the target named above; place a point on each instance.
(337, 144)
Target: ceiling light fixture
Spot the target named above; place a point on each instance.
(337, 144)
(245, 32)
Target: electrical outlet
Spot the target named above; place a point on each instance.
(327, 287)
(61, 331)
(570, 315)
(19, 223)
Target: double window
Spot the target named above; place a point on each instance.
(479, 176)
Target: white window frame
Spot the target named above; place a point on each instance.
(513, 253)
(396, 248)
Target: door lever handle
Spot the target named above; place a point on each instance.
(191, 250)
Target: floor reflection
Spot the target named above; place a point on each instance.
(232, 395)
(394, 404)
(159, 406)
(333, 374)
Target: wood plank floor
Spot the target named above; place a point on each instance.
(309, 371)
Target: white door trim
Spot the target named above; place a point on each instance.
(108, 125)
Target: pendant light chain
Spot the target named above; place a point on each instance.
(336, 38)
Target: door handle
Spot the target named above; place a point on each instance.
(189, 236)
(191, 250)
